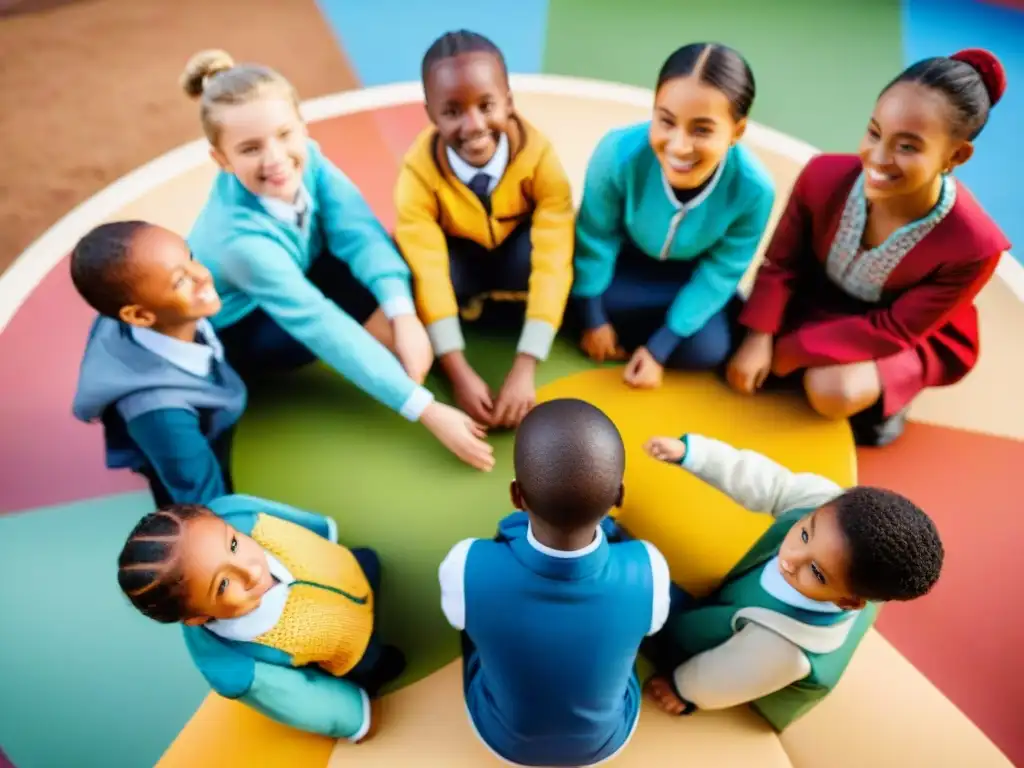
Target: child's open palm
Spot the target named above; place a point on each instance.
(668, 449)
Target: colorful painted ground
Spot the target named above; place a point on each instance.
(85, 682)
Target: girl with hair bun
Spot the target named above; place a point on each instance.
(866, 295)
(304, 269)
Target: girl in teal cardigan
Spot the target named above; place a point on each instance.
(304, 268)
(673, 211)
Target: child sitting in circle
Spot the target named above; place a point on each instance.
(554, 609)
(154, 372)
(781, 628)
(485, 220)
(276, 614)
(673, 211)
(305, 269)
(866, 295)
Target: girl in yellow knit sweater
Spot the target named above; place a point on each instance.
(275, 612)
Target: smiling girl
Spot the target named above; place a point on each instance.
(276, 614)
(304, 268)
(867, 292)
(673, 211)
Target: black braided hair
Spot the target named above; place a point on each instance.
(456, 43)
(147, 569)
(719, 66)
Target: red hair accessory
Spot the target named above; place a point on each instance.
(988, 67)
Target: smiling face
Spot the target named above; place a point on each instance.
(468, 100)
(263, 143)
(225, 572)
(814, 559)
(908, 142)
(692, 130)
(168, 287)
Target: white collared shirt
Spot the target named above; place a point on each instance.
(290, 213)
(495, 167)
(191, 356)
(776, 585)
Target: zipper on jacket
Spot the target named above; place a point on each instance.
(673, 227)
(335, 590)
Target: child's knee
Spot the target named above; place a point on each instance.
(706, 350)
(839, 392)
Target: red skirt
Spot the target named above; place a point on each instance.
(939, 359)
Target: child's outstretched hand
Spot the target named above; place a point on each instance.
(459, 434)
(667, 449)
(412, 346)
(517, 395)
(643, 371)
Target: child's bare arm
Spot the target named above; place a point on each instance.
(749, 478)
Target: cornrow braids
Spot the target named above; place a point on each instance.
(148, 570)
(456, 43)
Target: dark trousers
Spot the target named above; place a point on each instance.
(221, 449)
(491, 286)
(257, 344)
(637, 302)
(366, 673)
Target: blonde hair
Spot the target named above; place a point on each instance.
(215, 80)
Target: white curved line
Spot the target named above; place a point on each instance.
(36, 261)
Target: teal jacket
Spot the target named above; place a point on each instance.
(263, 678)
(626, 197)
(259, 261)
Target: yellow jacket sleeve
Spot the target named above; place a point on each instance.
(423, 244)
(551, 237)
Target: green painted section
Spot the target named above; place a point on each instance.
(86, 681)
(312, 440)
(818, 65)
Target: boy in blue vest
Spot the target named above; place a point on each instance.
(780, 629)
(154, 372)
(554, 608)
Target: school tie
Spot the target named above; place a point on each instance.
(479, 185)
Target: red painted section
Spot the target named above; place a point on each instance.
(965, 636)
(47, 456)
(4, 761)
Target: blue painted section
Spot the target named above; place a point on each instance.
(932, 28)
(385, 39)
(85, 680)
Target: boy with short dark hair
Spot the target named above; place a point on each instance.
(154, 372)
(780, 630)
(554, 608)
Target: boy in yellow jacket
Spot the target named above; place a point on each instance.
(485, 215)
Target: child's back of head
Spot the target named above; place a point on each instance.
(569, 463)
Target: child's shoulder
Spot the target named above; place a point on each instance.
(625, 144)
(751, 171)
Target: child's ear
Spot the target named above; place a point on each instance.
(133, 314)
(739, 130)
(852, 603)
(961, 155)
(220, 159)
(621, 498)
(195, 621)
(516, 493)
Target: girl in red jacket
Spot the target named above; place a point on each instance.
(867, 292)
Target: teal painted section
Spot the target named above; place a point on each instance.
(87, 681)
(818, 65)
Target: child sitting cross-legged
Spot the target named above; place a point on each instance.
(781, 628)
(276, 614)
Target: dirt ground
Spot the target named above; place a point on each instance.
(89, 89)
